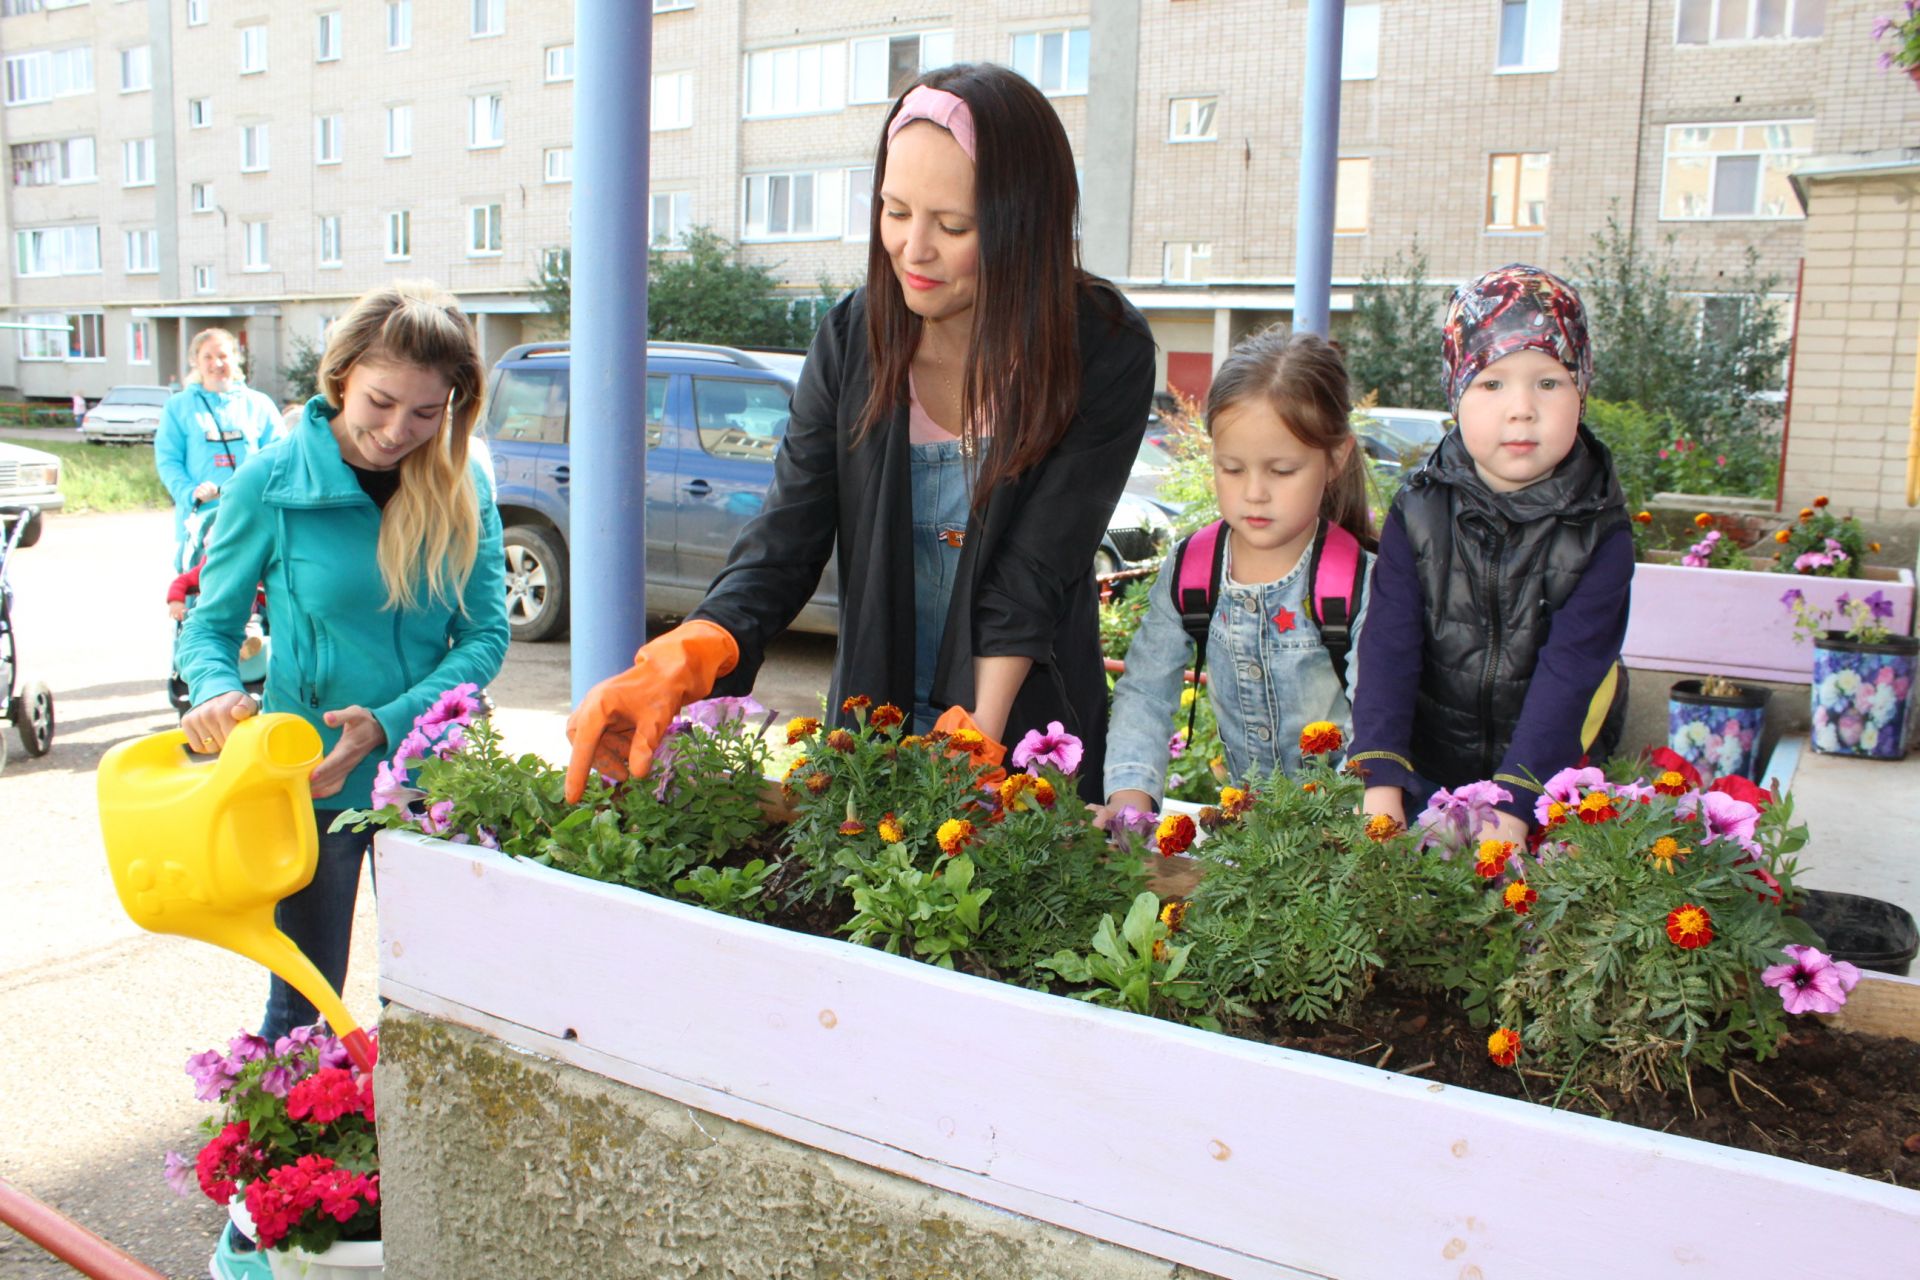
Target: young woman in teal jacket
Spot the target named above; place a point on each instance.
(378, 544)
(207, 429)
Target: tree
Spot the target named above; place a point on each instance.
(301, 372)
(1392, 343)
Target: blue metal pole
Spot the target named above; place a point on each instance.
(1319, 167)
(613, 44)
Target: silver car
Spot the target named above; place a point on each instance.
(29, 480)
(128, 415)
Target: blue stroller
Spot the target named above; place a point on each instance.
(253, 650)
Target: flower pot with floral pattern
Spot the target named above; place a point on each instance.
(1863, 695)
(1717, 726)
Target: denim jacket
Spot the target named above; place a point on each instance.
(1266, 684)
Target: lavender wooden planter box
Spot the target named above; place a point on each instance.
(1236, 1158)
(1730, 622)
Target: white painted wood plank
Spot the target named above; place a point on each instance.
(1301, 1161)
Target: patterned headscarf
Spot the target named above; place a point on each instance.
(1515, 308)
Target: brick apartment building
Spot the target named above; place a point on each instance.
(257, 163)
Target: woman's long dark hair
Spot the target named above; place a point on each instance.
(1023, 361)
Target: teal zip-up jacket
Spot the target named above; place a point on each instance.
(296, 520)
(206, 435)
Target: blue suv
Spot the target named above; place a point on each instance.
(714, 418)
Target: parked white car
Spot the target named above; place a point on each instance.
(29, 478)
(128, 415)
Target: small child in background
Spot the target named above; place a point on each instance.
(188, 584)
(1291, 483)
(1500, 597)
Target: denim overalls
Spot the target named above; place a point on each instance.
(939, 529)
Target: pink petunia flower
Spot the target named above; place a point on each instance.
(1056, 747)
(438, 819)
(456, 706)
(1811, 981)
(1453, 818)
(1721, 818)
(1566, 787)
(390, 786)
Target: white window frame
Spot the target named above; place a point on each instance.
(255, 242)
(1789, 23)
(858, 203)
(136, 162)
(1793, 211)
(330, 249)
(672, 102)
(1540, 38)
(141, 247)
(557, 165)
(489, 19)
(139, 342)
(67, 171)
(1515, 227)
(328, 36)
(263, 157)
(136, 69)
(1353, 164)
(399, 130)
(196, 13)
(1360, 43)
(199, 113)
(329, 138)
(824, 191)
(29, 78)
(253, 44)
(559, 62)
(399, 25)
(1187, 253)
(671, 6)
(200, 198)
(56, 251)
(42, 344)
(1194, 119)
(77, 320)
(1037, 69)
(399, 235)
(793, 80)
(205, 279)
(484, 238)
(935, 49)
(494, 116)
(679, 211)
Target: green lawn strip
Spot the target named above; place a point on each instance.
(107, 477)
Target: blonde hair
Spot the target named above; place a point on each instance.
(200, 340)
(430, 529)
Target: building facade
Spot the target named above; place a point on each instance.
(256, 164)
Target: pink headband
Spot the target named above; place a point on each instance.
(948, 110)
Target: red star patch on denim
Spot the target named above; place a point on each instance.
(1284, 620)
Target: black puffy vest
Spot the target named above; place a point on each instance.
(1493, 568)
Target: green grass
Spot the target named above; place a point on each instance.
(96, 477)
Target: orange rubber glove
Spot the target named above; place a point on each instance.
(622, 719)
(954, 721)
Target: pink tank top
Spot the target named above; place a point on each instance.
(921, 428)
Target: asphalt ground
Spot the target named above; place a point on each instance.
(98, 1018)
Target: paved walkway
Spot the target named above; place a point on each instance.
(1863, 821)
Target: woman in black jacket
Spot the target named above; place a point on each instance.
(961, 431)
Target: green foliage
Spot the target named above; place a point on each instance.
(1195, 771)
(1188, 486)
(301, 372)
(106, 477)
(734, 891)
(1121, 616)
(1810, 534)
(553, 290)
(1132, 967)
(1391, 342)
(902, 909)
(1652, 454)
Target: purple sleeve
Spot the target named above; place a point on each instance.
(1390, 651)
(1583, 643)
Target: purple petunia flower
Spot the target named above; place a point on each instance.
(1721, 818)
(211, 1079)
(1130, 821)
(1056, 747)
(438, 820)
(1791, 600)
(277, 1080)
(390, 786)
(456, 706)
(711, 713)
(1566, 786)
(1811, 981)
(180, 1174)
(1879, 605)
(1453, 818)
(244, 1048)
(1177, 743)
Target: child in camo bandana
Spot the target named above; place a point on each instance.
(1492, 650)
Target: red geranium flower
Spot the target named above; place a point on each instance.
(1741, 789)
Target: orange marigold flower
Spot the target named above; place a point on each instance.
(1557, 812)
(1235, 801)
(1492, 858)
(858, 702)
(818, 782)
(1820, 501)
(1597, 806)
(1643, 517)
(801, 727)
(886, 715)
(891, 831)
(1382, 827)
(968, 740)
(1704, 520)
(1319, 737)
(1873, 546)
(798, 764)
(1520, 896)
(1174, 834)
(1665, 850)
(1671, 783)
(1160, 952)
(913, 740)
(1014, 792)
(1503, 1046)
(954, 835)
(1173, 915)
(1806, 513)
(840, 740)
(1782, 535)
(1689, 926)
(853, 827)
(1043, 793)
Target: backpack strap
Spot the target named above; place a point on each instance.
(1197, 563)
(1339, 581)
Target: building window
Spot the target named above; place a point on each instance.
(1054, 60)
(796, 80)
(399, 25)
(883, 66)
(203, 279)
(87, 336)
(667, 221)
(672, 101)
(483, 230)
(489, 17)
(1194, 120)
(200, 197)
(860, 203)
(143, 252)
(48, 74)
(399, 235)
(254, 241)
(330, 240)
(139, 342)
(61, 161)
(1352, 196)
(399, 131)
(47, 339)
(559, 63)
(196, 13)
(668, 6)
(136, 162)
(793, 206)
(76, 160)
(253, 49)
(1187, 260)
(1517, 191)
(1529, 35)
(253, 148)
(136, 69)
(327, 143)
(559, 161)
(1719, 325)
(199, 112)
(486, 120)
(57, 251)
(1727, 21)
(326, 37)
(1360, 43)
(1734, 170)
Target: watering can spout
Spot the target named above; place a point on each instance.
(207, 850)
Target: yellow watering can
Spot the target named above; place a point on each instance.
(207, 850)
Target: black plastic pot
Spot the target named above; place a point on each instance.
(1865, 931)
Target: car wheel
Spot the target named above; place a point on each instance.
(35, 721)
(1105, 563)
(536, 582)
(32, 533)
